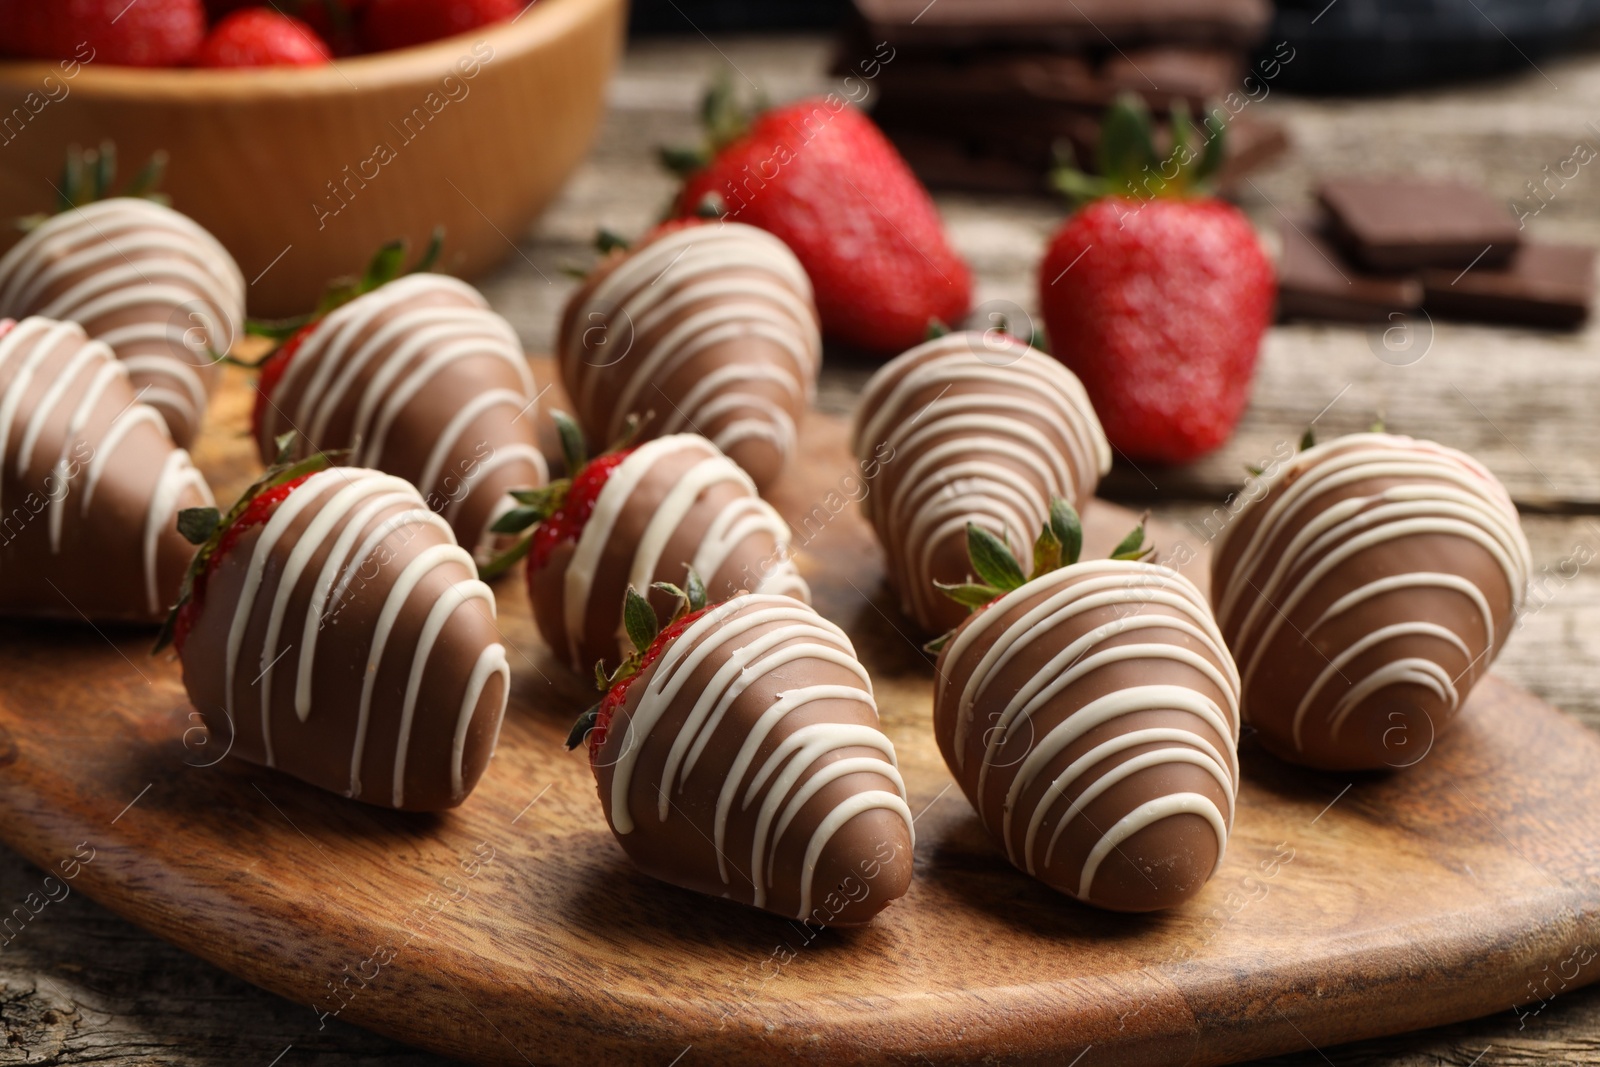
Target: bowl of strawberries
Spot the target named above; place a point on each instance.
(304, 133)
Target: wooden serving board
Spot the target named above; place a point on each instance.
(514, 931)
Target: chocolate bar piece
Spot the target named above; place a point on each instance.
(1014, 153)
(1052, 24)
(1316, 282)
(986, 81)
(1547, 285)
(1397, 224)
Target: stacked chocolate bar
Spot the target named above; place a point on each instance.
(1381, 246)
(988, 94)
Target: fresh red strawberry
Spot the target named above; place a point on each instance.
(390, 24)
(557, 513)
(254, 509)
(148, 33)
(272, 370)
(825, 180)
(259, 37)
(333, 21)
(617, 694)
(1157, 300)
(336, 22)
(567, 521)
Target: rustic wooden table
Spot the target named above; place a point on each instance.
(87, 987)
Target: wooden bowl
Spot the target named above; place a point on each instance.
(303, 173)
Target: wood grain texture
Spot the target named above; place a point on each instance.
(514, 930)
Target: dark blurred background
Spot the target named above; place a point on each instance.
(1346, 46)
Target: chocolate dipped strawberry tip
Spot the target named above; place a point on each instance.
(90, 175)
(648, 638)
(214, 532)
(1129, 164)
(1059, 544)
(557, 512)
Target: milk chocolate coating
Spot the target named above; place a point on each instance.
(1092, 719)
(746, 762)
(971, 427)
(348, 642)
(420, 379)
(1364, 594)
(90, 483)
(710, 329)
(149, 282)
(673, 503)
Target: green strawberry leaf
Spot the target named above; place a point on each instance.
(1179, 153)
(970, 594)
(580, 729)
(1077, 186)
(573, 447)
(936, 329)
(547, 496)
(639, 619)
(724, 119)
(1068, 529)
(430, 254)
(992, 559)
(1046, 552)
(1126, 148)
(146, 183)
(1308, 439)
(198, 524)
(698, 597)
(1132, 547)
(682, 161)
(711, 206)
(505, 560)
(105, 170)
(385, 265)
(608, 240)
(1211, 158)
(517, 519)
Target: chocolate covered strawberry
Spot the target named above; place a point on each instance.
(820, 176)
(698, 326)
(150, 282)
(90, 483)
(331, 627)
(1155, 294)
(416, 376)
(638, 517)
(1090, 713)
(737, 753)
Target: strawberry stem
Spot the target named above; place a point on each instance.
(1059, 544)
(1129, 163)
